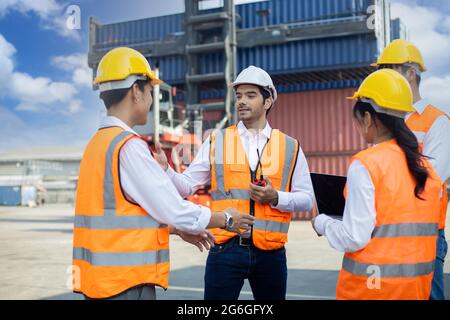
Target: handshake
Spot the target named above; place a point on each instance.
(230, 219)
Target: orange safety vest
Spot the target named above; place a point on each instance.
(117, 245)
(420, 124)
(398, 262)
(231, 177)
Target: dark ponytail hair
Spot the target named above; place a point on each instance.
(405, 139)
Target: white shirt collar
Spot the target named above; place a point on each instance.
(420, 105)
(242, 130)
(111, 121)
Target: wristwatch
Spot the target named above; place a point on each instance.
(229, 221)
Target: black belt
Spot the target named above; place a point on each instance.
(243, 242)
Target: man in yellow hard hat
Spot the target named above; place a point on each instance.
(432, 129)
(125, 201)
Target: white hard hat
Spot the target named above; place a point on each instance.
(256, 76)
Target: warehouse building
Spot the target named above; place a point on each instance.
(36, 176)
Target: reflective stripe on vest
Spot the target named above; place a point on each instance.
(116, 222)
(110, 250)
(266, 225)
(120, 259)
(243, 194)
(405, 230)
(388, 270)
(111, 221)
(109, 198)
(395, 270)
(398, 261)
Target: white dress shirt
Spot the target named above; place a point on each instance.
(199, 172)
(436, 143)
(145, 183)
(355, 230)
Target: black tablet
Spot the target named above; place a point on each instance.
(329, 192)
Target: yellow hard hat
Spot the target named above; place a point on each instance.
(121, 67)
(389, 90)
(401, 52)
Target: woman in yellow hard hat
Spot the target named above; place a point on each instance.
(390, 223)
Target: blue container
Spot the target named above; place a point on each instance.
(290, 58)
(397, 29)
(280, 11)
(10, 196)
(288, 11)
(138, 31)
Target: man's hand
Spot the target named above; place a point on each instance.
(160, 156)
(202, 240)
(264, 195)
(241, 221)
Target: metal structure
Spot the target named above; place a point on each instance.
(209, 32)
(213, 37)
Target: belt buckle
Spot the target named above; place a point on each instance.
(244, 242)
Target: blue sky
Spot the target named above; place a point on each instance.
(45, 93)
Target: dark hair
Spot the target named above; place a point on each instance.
(266, 95)
(405, 139)
(403, 68)
(112, 97)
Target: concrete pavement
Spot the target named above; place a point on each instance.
(36, 252)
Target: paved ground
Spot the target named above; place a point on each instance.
(36, 249)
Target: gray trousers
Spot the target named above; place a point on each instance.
(143, 292)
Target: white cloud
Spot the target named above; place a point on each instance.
(51, 13)
(446, 24)
(20, 133)
(7, 50)
(425, 26)
(437, 90)
(75, 106)
(44, 8)
(77, 64)
(429, 29)
(34, 94)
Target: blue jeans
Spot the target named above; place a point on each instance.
(437, 286)
(229, 264)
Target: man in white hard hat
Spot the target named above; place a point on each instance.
(258, 170)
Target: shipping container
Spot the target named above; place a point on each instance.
(249, 16)
(327, 53)
(398, 30)
(10, 196)
(320, 120)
